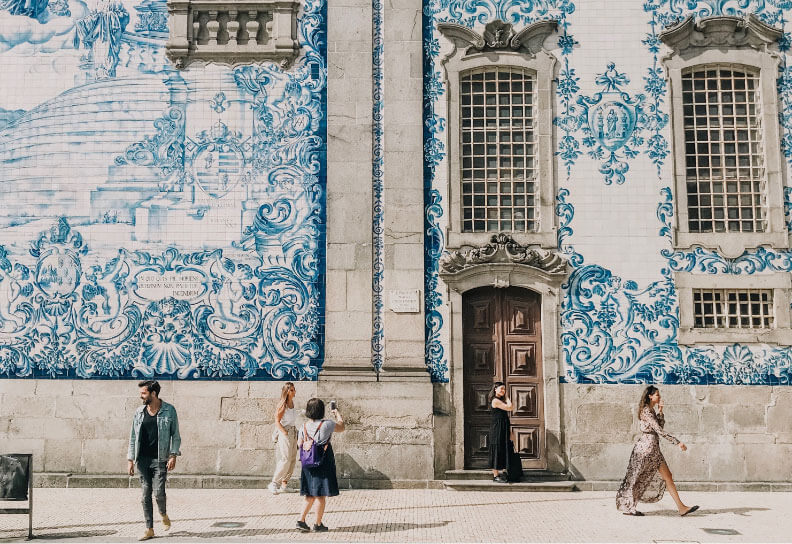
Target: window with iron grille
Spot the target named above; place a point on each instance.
(725, 169)
(499, 186)
(733, 308)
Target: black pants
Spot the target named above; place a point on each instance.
(152, 478)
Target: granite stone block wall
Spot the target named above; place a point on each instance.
(733, 433)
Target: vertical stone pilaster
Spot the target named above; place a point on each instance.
(403, 193)
(349, 195)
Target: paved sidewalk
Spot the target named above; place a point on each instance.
(214, 515)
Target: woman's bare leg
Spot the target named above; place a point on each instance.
(320, 509)
(494, 473)
(308, 504)
(672, 490)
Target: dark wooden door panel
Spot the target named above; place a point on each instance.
(525, 400)
(526, 440)
(522, 359)
(482, 359)
(502, 342)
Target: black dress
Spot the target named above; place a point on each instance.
(320, 481)
(499, 440)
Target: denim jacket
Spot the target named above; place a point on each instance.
(169, 439)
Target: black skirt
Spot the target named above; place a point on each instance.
(499, 440)
(320, 481)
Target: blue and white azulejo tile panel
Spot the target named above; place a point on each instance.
(614, 205)
(164, 223)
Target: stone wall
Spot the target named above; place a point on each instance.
(82, 428)
(733, 433)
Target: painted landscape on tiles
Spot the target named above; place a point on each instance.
(613, 329)
(157, 222)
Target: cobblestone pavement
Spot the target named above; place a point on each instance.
(401, 515)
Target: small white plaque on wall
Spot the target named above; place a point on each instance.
(405, 301)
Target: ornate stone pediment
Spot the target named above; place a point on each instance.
(720, 31)
(503, 249)
(498, 36)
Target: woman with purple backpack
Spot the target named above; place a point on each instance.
(318, 479)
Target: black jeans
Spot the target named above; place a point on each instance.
(152, 477)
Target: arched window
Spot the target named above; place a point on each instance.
(724, 149)
(728, 165)
(500, 122)
(728, 169)
(497, 150)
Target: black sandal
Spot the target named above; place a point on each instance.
(636, 513)
(692, 509)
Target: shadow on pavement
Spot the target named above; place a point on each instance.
(741, 511)
(388, 528)
(61, 536)
(365, 528)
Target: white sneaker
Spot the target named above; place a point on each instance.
(274, 489)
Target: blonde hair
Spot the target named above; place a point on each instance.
(284, 397)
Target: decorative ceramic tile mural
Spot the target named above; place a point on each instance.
(157, 223)
(613, 329)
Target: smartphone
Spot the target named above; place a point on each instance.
(332, 405)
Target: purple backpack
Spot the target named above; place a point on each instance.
(311, 453)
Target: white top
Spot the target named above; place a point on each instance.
(288, 418)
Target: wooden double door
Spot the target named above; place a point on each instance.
(503, 342)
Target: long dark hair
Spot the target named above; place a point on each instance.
(648, 392)
(492, 395)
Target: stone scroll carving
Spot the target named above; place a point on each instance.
(503, 249)
(498, 36)
(720, 31)
(241, 32)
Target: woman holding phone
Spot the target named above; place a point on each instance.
(318, 482)
(647, 473)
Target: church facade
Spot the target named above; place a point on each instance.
(394, 205)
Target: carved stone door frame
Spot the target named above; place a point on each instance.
(463, 275)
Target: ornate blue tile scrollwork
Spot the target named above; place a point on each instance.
(469, 13)
(612, 122)
(667, 12)
(128, 285)
(615, 332)
(378, 186)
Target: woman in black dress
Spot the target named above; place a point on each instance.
(499, 431)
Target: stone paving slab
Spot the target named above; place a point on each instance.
(403, 515)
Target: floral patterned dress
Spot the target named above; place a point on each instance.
(642, 481)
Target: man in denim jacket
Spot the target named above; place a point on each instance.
(153, 444)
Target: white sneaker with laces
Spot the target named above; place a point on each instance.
(274, 489)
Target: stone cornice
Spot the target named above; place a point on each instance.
(720, 31)
(498, 36)
(502, 249)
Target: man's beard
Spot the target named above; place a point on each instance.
(147, 401)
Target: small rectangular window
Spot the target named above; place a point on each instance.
(724, 154)
(733, 308)
(498, 174)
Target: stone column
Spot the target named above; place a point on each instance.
(348, 303)
(404, 205)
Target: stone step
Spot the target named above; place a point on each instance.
(528, 475)
(483, 485)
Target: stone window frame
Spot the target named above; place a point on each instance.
(523, 50)
(739, 42)
(779, 282)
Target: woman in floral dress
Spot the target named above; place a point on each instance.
(647, 473)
